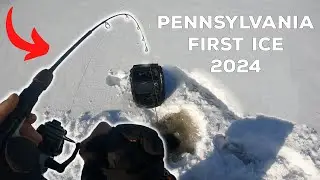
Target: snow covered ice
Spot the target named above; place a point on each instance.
(287, 88)
(277, 149)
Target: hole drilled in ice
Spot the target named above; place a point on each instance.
(180, 133)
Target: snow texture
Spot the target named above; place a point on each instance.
(279, 149)
(92, 85)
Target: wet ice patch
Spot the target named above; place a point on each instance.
(202, 108)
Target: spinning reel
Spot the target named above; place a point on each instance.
(41, 157)
(54, 135)
(11, 143)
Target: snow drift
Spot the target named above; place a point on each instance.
(280, 149)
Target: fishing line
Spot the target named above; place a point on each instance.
(85, 71)
(107, 25)
(28, 99)
(155, 94)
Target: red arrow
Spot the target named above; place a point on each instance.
(38, 48)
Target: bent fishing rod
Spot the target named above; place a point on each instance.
(10, 127)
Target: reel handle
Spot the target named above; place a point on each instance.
(33, 160)
(52, 164)
(39, 158)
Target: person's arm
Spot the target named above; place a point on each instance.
(7, 106)
(7, 169)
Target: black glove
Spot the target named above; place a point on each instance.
(126, 152)
(19, 158)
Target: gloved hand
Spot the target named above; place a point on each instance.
(101, 129)
(30, 136)
(27, 131)
(123, 152)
